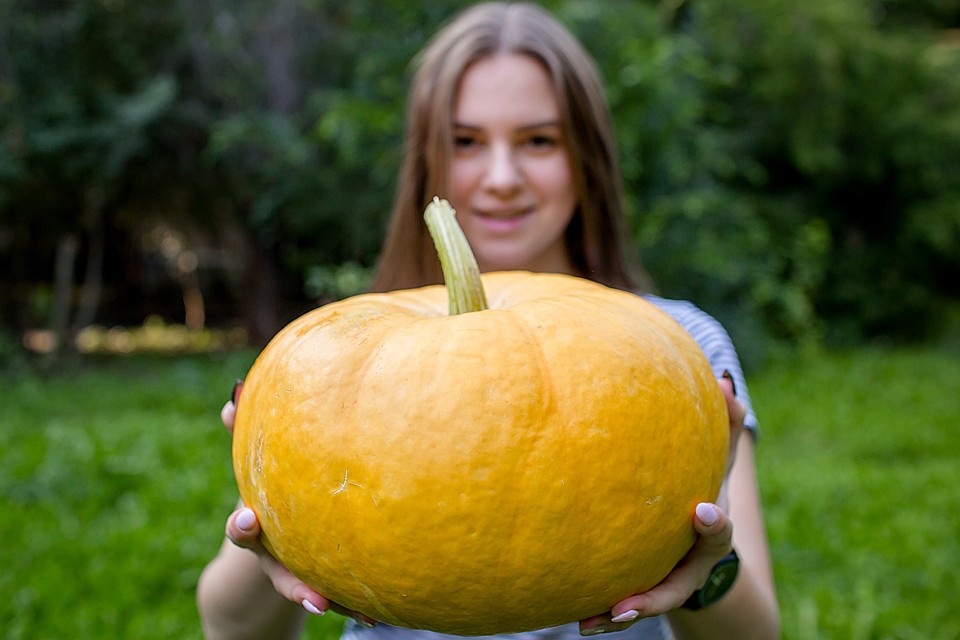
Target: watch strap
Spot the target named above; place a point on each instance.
(718, 584)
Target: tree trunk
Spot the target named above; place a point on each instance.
(92, 287)
(67, 249)
(261, 293)
(194, 310)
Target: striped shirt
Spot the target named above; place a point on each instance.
(718, 347)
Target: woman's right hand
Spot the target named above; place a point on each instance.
(243, 530)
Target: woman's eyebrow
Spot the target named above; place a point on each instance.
(546, 124)
(534, 125)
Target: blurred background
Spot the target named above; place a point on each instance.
(792, 167)
(180, 178)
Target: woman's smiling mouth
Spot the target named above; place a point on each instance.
(502, 220)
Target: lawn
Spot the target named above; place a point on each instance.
(115, 479)
(860, 464)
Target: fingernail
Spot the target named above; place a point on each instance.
(593, 631)
(707, 513)
(729, 376)
(366, 624)
(246, 519)
(309, 606)
(627, 616)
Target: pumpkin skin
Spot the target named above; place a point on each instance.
(503, 470)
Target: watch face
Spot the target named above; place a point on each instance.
(720, 581)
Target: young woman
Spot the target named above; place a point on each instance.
(507, 120)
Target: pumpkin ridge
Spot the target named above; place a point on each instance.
(533, 448)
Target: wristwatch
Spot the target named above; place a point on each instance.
(718, 584)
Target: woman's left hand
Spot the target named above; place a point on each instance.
(714, 541)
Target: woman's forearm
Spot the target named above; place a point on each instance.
(749, 611)
(237, 601)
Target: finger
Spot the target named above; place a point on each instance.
(228, 415)
(735, 409)
(714, 526)
(243, 528)
(297, 591)
(362, 619)
(691, 573)
(607, 623)
(292, 588)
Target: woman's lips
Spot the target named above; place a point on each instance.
(502, 220)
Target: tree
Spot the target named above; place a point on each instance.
(77, 119)
(792, 167)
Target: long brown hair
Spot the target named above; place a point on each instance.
(596, 236)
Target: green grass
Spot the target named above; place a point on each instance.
(115, 479)
(860, 464)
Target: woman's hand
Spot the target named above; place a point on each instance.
(243, 530)
(714, 541)
(228, 414)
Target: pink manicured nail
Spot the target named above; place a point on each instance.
(310, 607)
(246, 519)
(707, 513)
(627, 616)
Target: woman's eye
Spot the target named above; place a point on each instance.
(542, 141)
(464, 142)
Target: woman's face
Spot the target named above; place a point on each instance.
(511, 181)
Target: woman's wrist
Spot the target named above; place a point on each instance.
(749, 610)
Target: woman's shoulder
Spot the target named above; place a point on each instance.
(714, 341)
(706, 330)
(691, 317)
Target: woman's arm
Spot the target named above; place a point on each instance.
(237, 600)
(750, 609)
(245, 592)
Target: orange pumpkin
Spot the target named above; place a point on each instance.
(506, 469)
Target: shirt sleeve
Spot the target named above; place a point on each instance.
(716, 345)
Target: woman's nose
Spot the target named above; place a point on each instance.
(503, 174)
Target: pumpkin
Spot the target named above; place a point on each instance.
(478, 460)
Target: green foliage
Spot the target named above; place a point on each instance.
(334, 283)
(792, 167)
(854, 120)
(115, 479)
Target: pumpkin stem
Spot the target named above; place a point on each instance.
(460, 271)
